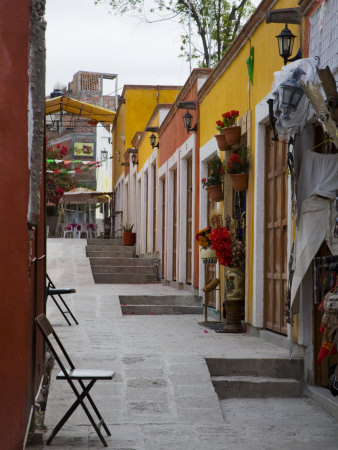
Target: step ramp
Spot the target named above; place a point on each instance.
(256, 377)
(161, 304)
(113, 263)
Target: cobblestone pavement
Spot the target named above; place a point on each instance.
(162, 397)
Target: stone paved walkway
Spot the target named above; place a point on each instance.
(162, 397)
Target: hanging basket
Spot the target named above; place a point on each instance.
(232, 134)
(215, 193)
(239, 181)
(222, 143)
(129, 238)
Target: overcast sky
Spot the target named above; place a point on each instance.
(83, 36)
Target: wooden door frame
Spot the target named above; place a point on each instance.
(175, 226)
(189, 245)
(276, 269)
(261, 121)
(183, 216)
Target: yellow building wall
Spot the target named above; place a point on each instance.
(234, 91)
(118, 137)
(140, 105)
(133, 116)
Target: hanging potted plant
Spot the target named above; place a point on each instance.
(213, 183)
(220, 138)
(129, 238)
(238, 167)
(231, 131)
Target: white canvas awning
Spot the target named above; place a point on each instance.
(80, 196)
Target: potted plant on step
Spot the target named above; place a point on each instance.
(129, 238)
(231, 131)
(213, 183)
(238, 168)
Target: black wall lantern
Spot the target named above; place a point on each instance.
(285, 43)
(291, 93)
(272, 120)
(152, 138)
(133, 159)
(187, 119)
(104, 155)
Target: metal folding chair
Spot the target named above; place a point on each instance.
(72, 374)
(54, 292)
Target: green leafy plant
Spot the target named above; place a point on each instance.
(127, 228)
(217, 170)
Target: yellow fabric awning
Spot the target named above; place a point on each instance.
(79, 108)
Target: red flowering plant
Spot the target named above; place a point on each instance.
(219, 126)
(221, 243)
(58, 181)
(238, 161)
(229, 118)
(217, 172)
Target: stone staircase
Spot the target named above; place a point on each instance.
(161, 304)
(256, 378)
(113, 263)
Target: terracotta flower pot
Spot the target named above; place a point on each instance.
(222, 143)
(239, 181)
(232, 134)
(129, 238)
(215, 193)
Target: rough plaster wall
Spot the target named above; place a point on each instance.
(36, 113)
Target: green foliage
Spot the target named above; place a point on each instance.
(127, 228)
(210, 38)
(217, 171)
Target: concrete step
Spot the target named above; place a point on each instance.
(264, 367)
(161, 300)
(255, 387)
(124, 278)
(109, 253)
(160, 309)
(123, 269)
(109, 248)
(119, 261)
(111, 242)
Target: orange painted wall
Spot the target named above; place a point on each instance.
(175, 134)
(14, 242)
(172, 137)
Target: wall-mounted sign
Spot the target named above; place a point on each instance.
(84, 149)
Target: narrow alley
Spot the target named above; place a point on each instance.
(162, 396)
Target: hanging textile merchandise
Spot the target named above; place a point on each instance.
(327, 266)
